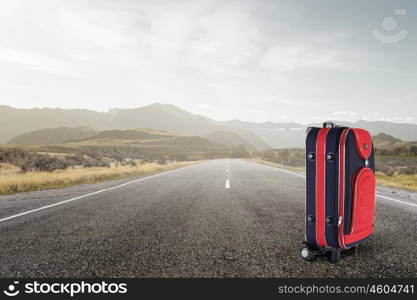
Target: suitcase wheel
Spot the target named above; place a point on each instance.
(307, 253)
(335, 255)
(356, 250)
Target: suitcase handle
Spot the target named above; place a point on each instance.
(329, 125)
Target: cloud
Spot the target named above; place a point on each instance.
(355, 116)
(210, 37)
(43, 63)
(293, 57)
(345, 115)
(256, 60)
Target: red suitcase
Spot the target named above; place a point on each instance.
(340, 190)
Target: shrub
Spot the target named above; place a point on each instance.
(162, 162)
(29, 161)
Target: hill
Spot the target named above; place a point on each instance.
(383, 140)
(140, 143)
(169, 117)
(49, 136)
(262, 136)
(156, 116)
(386, 144)
(14, 121)
(130, 134)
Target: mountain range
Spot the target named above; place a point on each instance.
(288, 135)
(36, 125)
(15, 122)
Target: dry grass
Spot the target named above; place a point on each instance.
(18, 182)
(8, 169)
(402, 181)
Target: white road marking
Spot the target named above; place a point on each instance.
(285, 171)
(227, 184)
(91, 194)
(303, 176)
(395, 200)
(227, 170)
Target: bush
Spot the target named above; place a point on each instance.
(408, 170)
(132, 163)
(290, 157)
(29, 161)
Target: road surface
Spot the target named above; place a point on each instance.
(220, 218)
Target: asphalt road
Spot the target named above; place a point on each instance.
(221, 218)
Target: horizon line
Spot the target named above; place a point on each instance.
(337, 121)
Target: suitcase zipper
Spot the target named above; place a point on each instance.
(341, 193)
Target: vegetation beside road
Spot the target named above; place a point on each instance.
(120, 153)
(289, 157)
(398, 170)
(105, 156)
(13, 180)
(407, 182)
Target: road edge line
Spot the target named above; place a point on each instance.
(303, 176)
(93, 193)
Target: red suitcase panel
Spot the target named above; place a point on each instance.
(363, 142)
(363, 206)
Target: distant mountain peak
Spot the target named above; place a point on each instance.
(386, 137)
(164, 106)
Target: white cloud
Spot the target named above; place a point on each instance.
(242, 59)
(289, 58)
(345, 115)
(374, 116)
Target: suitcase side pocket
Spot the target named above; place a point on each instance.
(363, 209)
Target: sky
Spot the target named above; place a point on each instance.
(302, 61)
